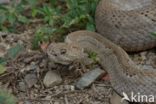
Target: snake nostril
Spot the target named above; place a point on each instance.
(63, 51)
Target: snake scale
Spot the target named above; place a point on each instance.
(128, 23)
(120, 23)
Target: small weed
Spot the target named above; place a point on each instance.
(11, 16)
(57, 15)
(6, 97)
(43, 34)
(153, 33)
(93, 56)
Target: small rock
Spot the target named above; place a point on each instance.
(22, 86)
(56, 102)
(143, 55)
(147, 67)
(29, 67)
(27, 102)
(30, 79)
(48, 97)
(116, 99)
(72, 88)
(88, 78)
(69, 87)
(52, 78)
(3, 49)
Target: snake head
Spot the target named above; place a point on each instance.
(65, 53)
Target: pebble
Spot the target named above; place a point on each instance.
(3, 49)
(22, 86)
(31, 80)
(51, 79)
(148, 67)
(143, 55)
(88, 78)
(27, 102)
(56, 103)
(69, 87)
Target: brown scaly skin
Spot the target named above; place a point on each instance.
(128, 23)
(125, 75)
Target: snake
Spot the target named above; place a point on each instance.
(122, 25)
(128, 23)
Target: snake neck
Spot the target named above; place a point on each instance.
(127, 5)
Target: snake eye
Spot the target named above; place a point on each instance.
(63, 51)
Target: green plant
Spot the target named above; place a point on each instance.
(43, 34)
(78, 14)
(153, 33)
(93, 56)
(59, 15)
(81, 12)
(2, 65)
(7, 98)
(49, 14)
(11, 16)
(11, 54)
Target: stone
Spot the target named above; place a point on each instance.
(3, 49)
(27, 102)
(31, 80)
(88, 78)
(51, 79)
(22, 86)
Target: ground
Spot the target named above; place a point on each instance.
(26, 68)
(25, 74)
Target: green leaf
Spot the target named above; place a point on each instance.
(47, 10)
(14, 51)
(11, 19)
(7, 98)
(3, 18)
(42, 34)
(2, 69)
(53, 2)
(2, 7)
(93, 56)
(34, 12)
(153, 33)
(22, 19)
(32, 2)
(2, 61)
(90, 27)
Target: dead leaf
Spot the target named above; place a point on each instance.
(44, 46)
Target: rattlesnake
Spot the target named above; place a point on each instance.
(130, 29)
(128, 23)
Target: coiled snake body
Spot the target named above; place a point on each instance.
(133, 34)
(128, 23)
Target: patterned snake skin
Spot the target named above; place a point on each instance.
(125, 75)
(128, 23)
